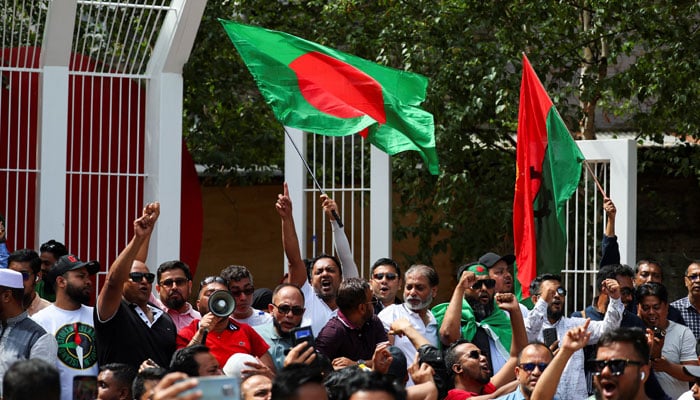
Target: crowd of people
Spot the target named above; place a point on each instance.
(327, 333)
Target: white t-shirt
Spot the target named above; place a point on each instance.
(257, 318)
(71, 329)
(316, 309)
(679, 346)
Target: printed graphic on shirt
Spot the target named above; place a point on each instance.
(76, 345)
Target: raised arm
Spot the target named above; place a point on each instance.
(342, 246)
(290, 241)
(573, 340)
(450, 330)
(508, 302)
(111, 293)
(610, 249)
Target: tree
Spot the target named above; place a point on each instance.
(634, 61)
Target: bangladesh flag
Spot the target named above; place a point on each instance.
(548, 173)
(321, 90)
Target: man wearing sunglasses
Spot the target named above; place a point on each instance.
(128, 328)
(532, 362)
(174, 287)
(689, 306)
(548, 297)
(287, 311)
(386, 283)
(674, 343)
(240, 284)
(28, 263)
(472, 314)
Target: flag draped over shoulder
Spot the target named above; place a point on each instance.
(321, 90)
(496, 325)
(548, 172)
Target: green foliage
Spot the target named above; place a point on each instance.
(636, 61)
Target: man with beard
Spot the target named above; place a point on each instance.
(128, 328)
(49, 252)
(69, 319)
(471, 314)
(174, 287)
(351, 337)
(326, 274)
(548, 297)
(287, 311)
(386, 283)
(28, 263)
(421, 285)
(468, 366)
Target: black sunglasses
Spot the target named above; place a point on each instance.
(138, 276)
(176, 281)
(617, 366)
(237, 292)
(285, 309)
(475, 354)
(390, 276)
(529, 367)
(489, 283)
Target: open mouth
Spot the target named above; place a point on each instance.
(326, 284)
(608, 389)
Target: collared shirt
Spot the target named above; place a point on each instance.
(180, 319)
(278, 344)
(341, 338)
(690, 314)
(258, 317)
(37, 305)
(429, 330)
(572, 385)
(517, 394)
(157, 313)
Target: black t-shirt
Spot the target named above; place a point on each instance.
(127, 339)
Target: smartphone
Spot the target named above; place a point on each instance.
(84, 387)
(217, 388)
(550, 336)
(303, 334)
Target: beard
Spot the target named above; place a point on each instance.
(77, 294)
(27, 299)
(554, 315)
(481, 310)
(174, 303)
(278, 327)
(420, 306)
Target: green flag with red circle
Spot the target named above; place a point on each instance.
(324, 91)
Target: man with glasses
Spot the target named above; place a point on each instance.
(70, 321)
(469, 367)
(674, 343)
(240, 284)
(472, 314)
(386, 283)
(174, 287)
(548, 297)
(128, 328)
(28, 263)
(532, 362)
(689, 306)
(49, 253)
(351, 337)
(287, 311)
(223, 335)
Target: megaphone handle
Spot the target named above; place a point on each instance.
(204, 337)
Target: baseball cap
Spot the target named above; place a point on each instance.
(476, 267)
(70, 262)
(11, 279)
(490, 259)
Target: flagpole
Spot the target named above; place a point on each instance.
(595, 179)
(308, 168)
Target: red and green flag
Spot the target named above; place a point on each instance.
(548, 173)
(321, 90)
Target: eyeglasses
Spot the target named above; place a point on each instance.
(617, 366)
(529, 367)
(177, 282)
(489, 283)
(693, 277)
(474, 354)
(246, 291)
(390, 276)
(561, 291)
(284, 309)
(138, 276)
(25, 275)
(212, 279)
